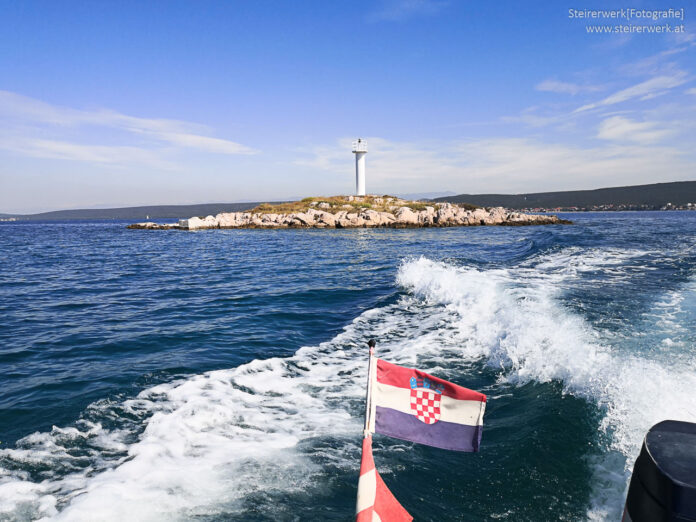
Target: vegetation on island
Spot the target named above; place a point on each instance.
(336, 204)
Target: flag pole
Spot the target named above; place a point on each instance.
(368, 399)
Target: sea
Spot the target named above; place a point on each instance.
(220, 374)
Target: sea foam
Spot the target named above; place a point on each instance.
(512, 319)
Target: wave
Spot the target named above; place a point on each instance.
(513, 320)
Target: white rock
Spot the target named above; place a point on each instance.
(306, 219)
(446, 214)
(373, 218)
(427, 216)
(327, 219)
(407, 216)
(478, 215)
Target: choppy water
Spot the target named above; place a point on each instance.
(220, 375)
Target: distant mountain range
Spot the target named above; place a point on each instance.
(139, 213)
(655, 196)
(415, 196)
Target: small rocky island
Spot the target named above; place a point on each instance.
(358, 212)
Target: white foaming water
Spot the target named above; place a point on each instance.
(205, 444)
(210, 441)
(515, 323)
(215, 436)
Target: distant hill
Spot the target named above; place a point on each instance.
(139, 213)
(654, 196)
(415, 196)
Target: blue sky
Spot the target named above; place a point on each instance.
(133, 103)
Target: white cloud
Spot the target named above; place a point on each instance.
(691, 91)
(565, 87)
(205, 143)
(505, 165)
(647, 88)
(618, 128)
(24, 114)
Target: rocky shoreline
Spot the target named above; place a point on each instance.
(357, 212)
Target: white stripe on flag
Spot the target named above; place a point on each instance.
(373, 383)
(367, 490)
(451, 410)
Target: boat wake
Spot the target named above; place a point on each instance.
(228, 441)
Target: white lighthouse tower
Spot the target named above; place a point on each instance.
(360, 149)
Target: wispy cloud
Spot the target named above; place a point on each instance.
(691, 91)
(644, 90)
(205, 143)
(685, 38)
(662, 63)
(619, 128)
(536, 117)
(101, 154)
(397, 10)
(565, 87)
(31, 120)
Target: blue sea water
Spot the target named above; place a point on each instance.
(219, 375)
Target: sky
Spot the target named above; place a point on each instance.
(108, 104)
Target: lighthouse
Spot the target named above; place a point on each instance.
(360, 149)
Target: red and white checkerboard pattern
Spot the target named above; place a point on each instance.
(426, 405)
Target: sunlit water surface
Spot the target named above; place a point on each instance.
(217, 375)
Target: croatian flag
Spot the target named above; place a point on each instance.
(412, 405)
(375, 501)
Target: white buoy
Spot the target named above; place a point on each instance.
(360, 149)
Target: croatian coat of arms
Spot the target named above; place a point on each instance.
(425, 400)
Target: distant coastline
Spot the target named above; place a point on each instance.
(680, 195)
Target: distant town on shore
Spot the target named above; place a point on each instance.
(680, 195)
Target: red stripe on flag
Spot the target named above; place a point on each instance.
(367, 462)
(385, 504)
(394, 375)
